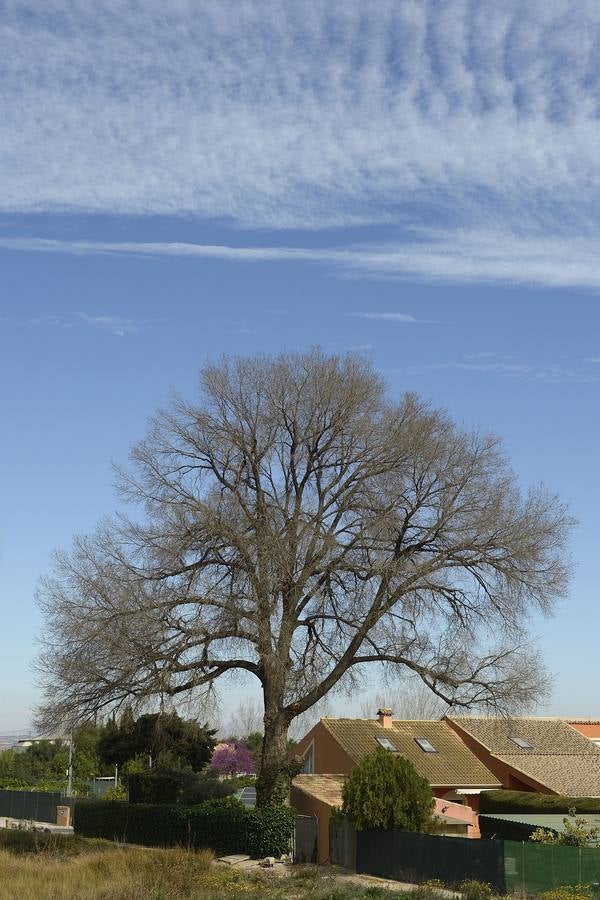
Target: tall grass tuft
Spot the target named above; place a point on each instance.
(118, 874)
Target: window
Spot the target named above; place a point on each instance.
(386, 744)
(426, 745)
(521, 743)
(309, 761)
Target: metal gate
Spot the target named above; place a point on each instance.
(306, 839)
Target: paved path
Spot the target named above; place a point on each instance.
(47, 827)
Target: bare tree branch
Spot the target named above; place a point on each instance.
(299, 526)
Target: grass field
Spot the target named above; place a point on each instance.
(97, 870)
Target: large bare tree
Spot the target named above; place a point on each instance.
(297, 524)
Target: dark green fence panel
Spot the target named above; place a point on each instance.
(342, 843)
(533, 868)
(40, 806)
(408, 856)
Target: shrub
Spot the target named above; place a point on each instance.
(154, 787)
(569, 892)
(175, 787)
(432, 889)
(528, 801)
(116, 793)
(475, 890)
(386, 791)
(225, 826)
(208, 787)
(577, 832)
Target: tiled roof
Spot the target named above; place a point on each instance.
(327, 788)
(582, 721)
(453, 765)
(546, 735)
(560, 758)
(573, 776)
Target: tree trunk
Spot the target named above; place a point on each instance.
(273, 760)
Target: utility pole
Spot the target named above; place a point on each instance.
(70, 769)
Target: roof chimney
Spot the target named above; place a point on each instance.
(384, 717)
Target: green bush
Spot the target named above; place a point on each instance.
(154, 787)
(116, 793)
(530, 802)
(475, 890)
(386, 791)
(577, 832)
(208, 786)
(178, 787)
(225, 826)
(569, 892)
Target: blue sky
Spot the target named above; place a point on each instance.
(414, 180)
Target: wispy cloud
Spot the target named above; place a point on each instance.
(461, 257)
(402, 318)
(116, 325)
(385, 316)
(315, 115)
(489, 363)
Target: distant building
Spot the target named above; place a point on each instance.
(21, 745)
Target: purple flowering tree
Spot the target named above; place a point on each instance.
(233, 759)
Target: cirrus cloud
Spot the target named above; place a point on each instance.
(274, 114)
(481, 118)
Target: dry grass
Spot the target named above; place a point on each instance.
(118, 874)
(105, 871)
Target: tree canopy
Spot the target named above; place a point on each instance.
(233, 759)
(385, 791)
(157, 735)
(296, 524)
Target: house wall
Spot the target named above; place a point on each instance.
(510, 779)
(588, 729)
(458, 810)
(307, 805)
(329, 758)
(468, 802)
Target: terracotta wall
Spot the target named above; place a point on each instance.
(464, 812)
(329, 758)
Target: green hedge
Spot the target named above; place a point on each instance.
(154, 787)
(226, 826)
(529, 802)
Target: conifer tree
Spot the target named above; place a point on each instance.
(386, 791)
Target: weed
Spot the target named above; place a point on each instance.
(475, 890)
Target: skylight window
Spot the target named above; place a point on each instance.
(386, 744)
(426, 745)
(521, 742)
